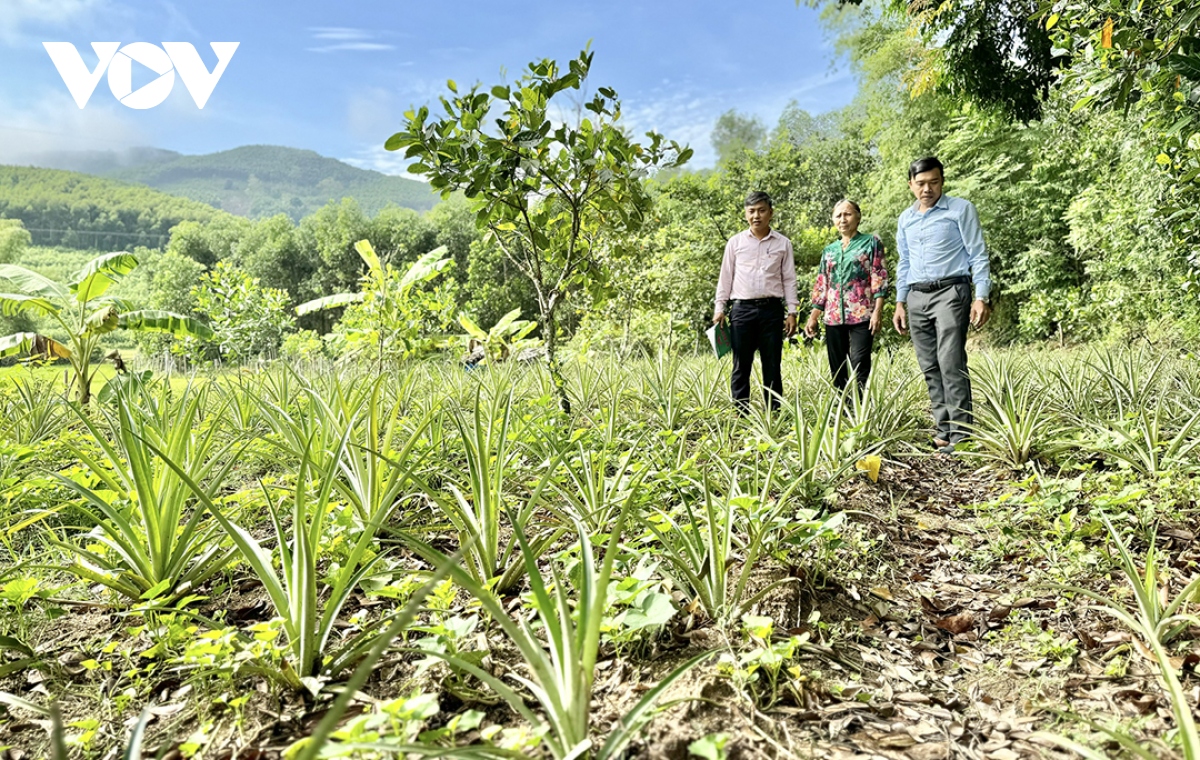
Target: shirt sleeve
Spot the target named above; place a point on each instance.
(789, 279)
(972, 237)
(879, 275)
(725, 281)
(901, 263)
(820, 287)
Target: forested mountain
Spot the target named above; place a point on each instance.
(98, 161)
(82, 211)
(258, 181)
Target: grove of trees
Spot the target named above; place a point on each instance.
(1084, 164)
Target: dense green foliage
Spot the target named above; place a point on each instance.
(14, 239)
(80, 211)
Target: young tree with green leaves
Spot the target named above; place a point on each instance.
(83, 312)
(248, 319)
(391, 315)
(548, 190)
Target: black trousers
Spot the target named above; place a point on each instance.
(757, 326)
(849, 347)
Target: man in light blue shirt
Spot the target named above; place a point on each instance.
(939, 240)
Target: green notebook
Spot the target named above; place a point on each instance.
(718, 337)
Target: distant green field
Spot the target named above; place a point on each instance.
(58, 373)
(59, 264)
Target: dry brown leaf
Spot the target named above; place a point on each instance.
(929, 751)
(894, 740)
(1028, 666)
(960, 623)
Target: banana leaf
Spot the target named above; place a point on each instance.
(32, 283)
(12, 304)
(473, 329)
(102, 320)
(368, 255)
(425, 267)
(18, 342)
(101, 273)
(328, 302)
(153, 320)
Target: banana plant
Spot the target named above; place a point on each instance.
(390, 315)
(82, 311)
(507, 338)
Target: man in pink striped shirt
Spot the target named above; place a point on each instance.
(758, 278)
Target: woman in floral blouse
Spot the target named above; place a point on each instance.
(851, 284)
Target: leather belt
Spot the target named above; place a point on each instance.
(935, 285)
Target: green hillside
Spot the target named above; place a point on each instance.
(82, 211)
(263, 180)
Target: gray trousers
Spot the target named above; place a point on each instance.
(938, 322)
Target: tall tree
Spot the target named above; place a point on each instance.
(736, 133)
(996, 53)
(14, 239)
(548, 190)
(1144, 59)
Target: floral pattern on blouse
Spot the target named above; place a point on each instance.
(850, 279)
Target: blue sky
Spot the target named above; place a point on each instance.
(336, 77)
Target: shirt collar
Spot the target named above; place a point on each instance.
(770, 234)
(940, 203)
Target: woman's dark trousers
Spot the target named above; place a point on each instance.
(849, 348)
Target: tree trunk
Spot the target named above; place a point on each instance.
(556, 375)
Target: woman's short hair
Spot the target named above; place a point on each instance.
(857, 210)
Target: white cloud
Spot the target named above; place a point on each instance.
(178, 24)
(377, 158)
(688, 116)
(362, 46)
(339, 33)
(19, 15)
(346, 38)
(55, 124)
(684, 117)
(372, 113)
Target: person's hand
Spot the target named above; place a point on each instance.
(810, 327)
(876, 321)
(980, 313)
(900, 319)
(718, 318)
(789, 325)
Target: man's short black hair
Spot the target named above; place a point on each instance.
(927, 164)
(758, 196)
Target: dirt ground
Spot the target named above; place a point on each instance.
(937, 641)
